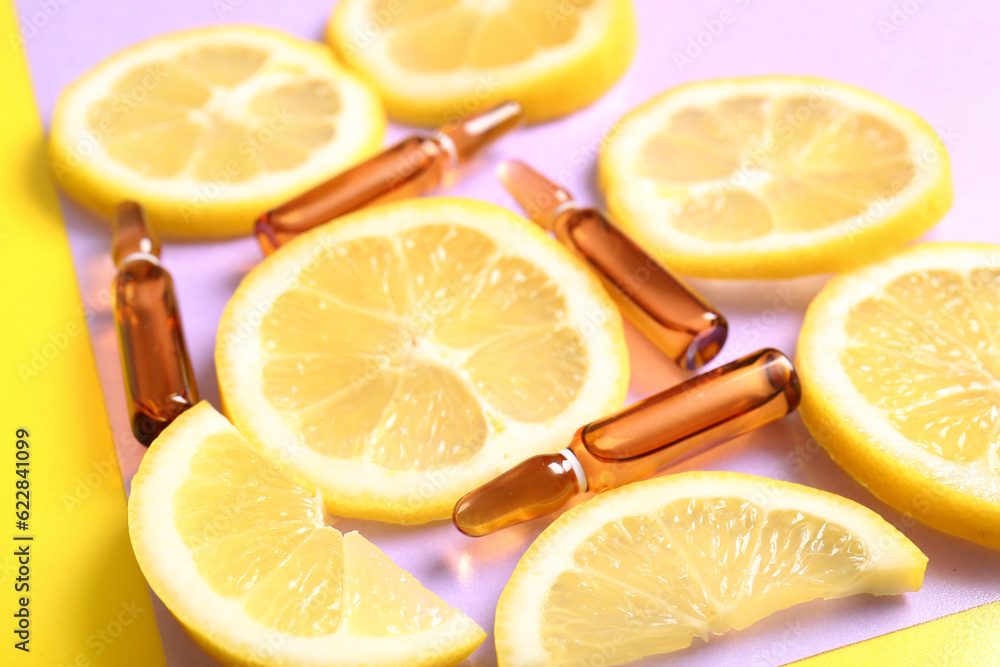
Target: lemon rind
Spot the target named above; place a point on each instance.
(947, 495)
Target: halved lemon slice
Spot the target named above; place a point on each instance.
(406, 354)
(240, 553)
(646, 568)
(436, 60)
(209, 128)
(773, 176)
(900, 368)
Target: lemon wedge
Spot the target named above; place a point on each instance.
(648, 567)
(240, 553)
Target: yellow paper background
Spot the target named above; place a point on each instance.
(88, 602)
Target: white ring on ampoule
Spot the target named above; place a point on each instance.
(134, 256)
(448, 145)
(563, 207)
(581, 477)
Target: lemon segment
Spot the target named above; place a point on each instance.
(434, 61)
(901, 382)
(241, 554)
(409, 353)
(209, 128)
(647, 568)
(773, 176)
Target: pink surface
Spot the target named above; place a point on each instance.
(937, 58)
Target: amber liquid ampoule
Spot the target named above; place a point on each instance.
(159, 382)
(668, 312)
(629, 445)
(410, 168)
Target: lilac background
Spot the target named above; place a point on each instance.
(938, 58)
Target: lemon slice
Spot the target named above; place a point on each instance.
(900, 368)
(436, 60)
(241, 555)
(411, 352)
(646, 568)
(209, 128)
(773, 177)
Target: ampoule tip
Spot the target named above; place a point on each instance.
(540, 198)
(533, 488)
(470, 135)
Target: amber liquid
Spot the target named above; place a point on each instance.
(159, 382)
(632, 444)
(410, 168)
(668, 312)
(684, 420)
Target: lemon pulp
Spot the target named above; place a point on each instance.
(924, 350)
(405, 354)
(396, 369)
(696, 567)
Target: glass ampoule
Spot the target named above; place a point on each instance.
(159, 382)
(636, 442)
(410, 168)
(666, 310)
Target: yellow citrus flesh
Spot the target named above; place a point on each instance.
(773, 177)
(406, 354)
(901, 382)
(437, 60)
(648, 567)
(209, 128)
(240, 553)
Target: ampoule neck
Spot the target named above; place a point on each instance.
(440, 146)
(131, 236)
(567, 213)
